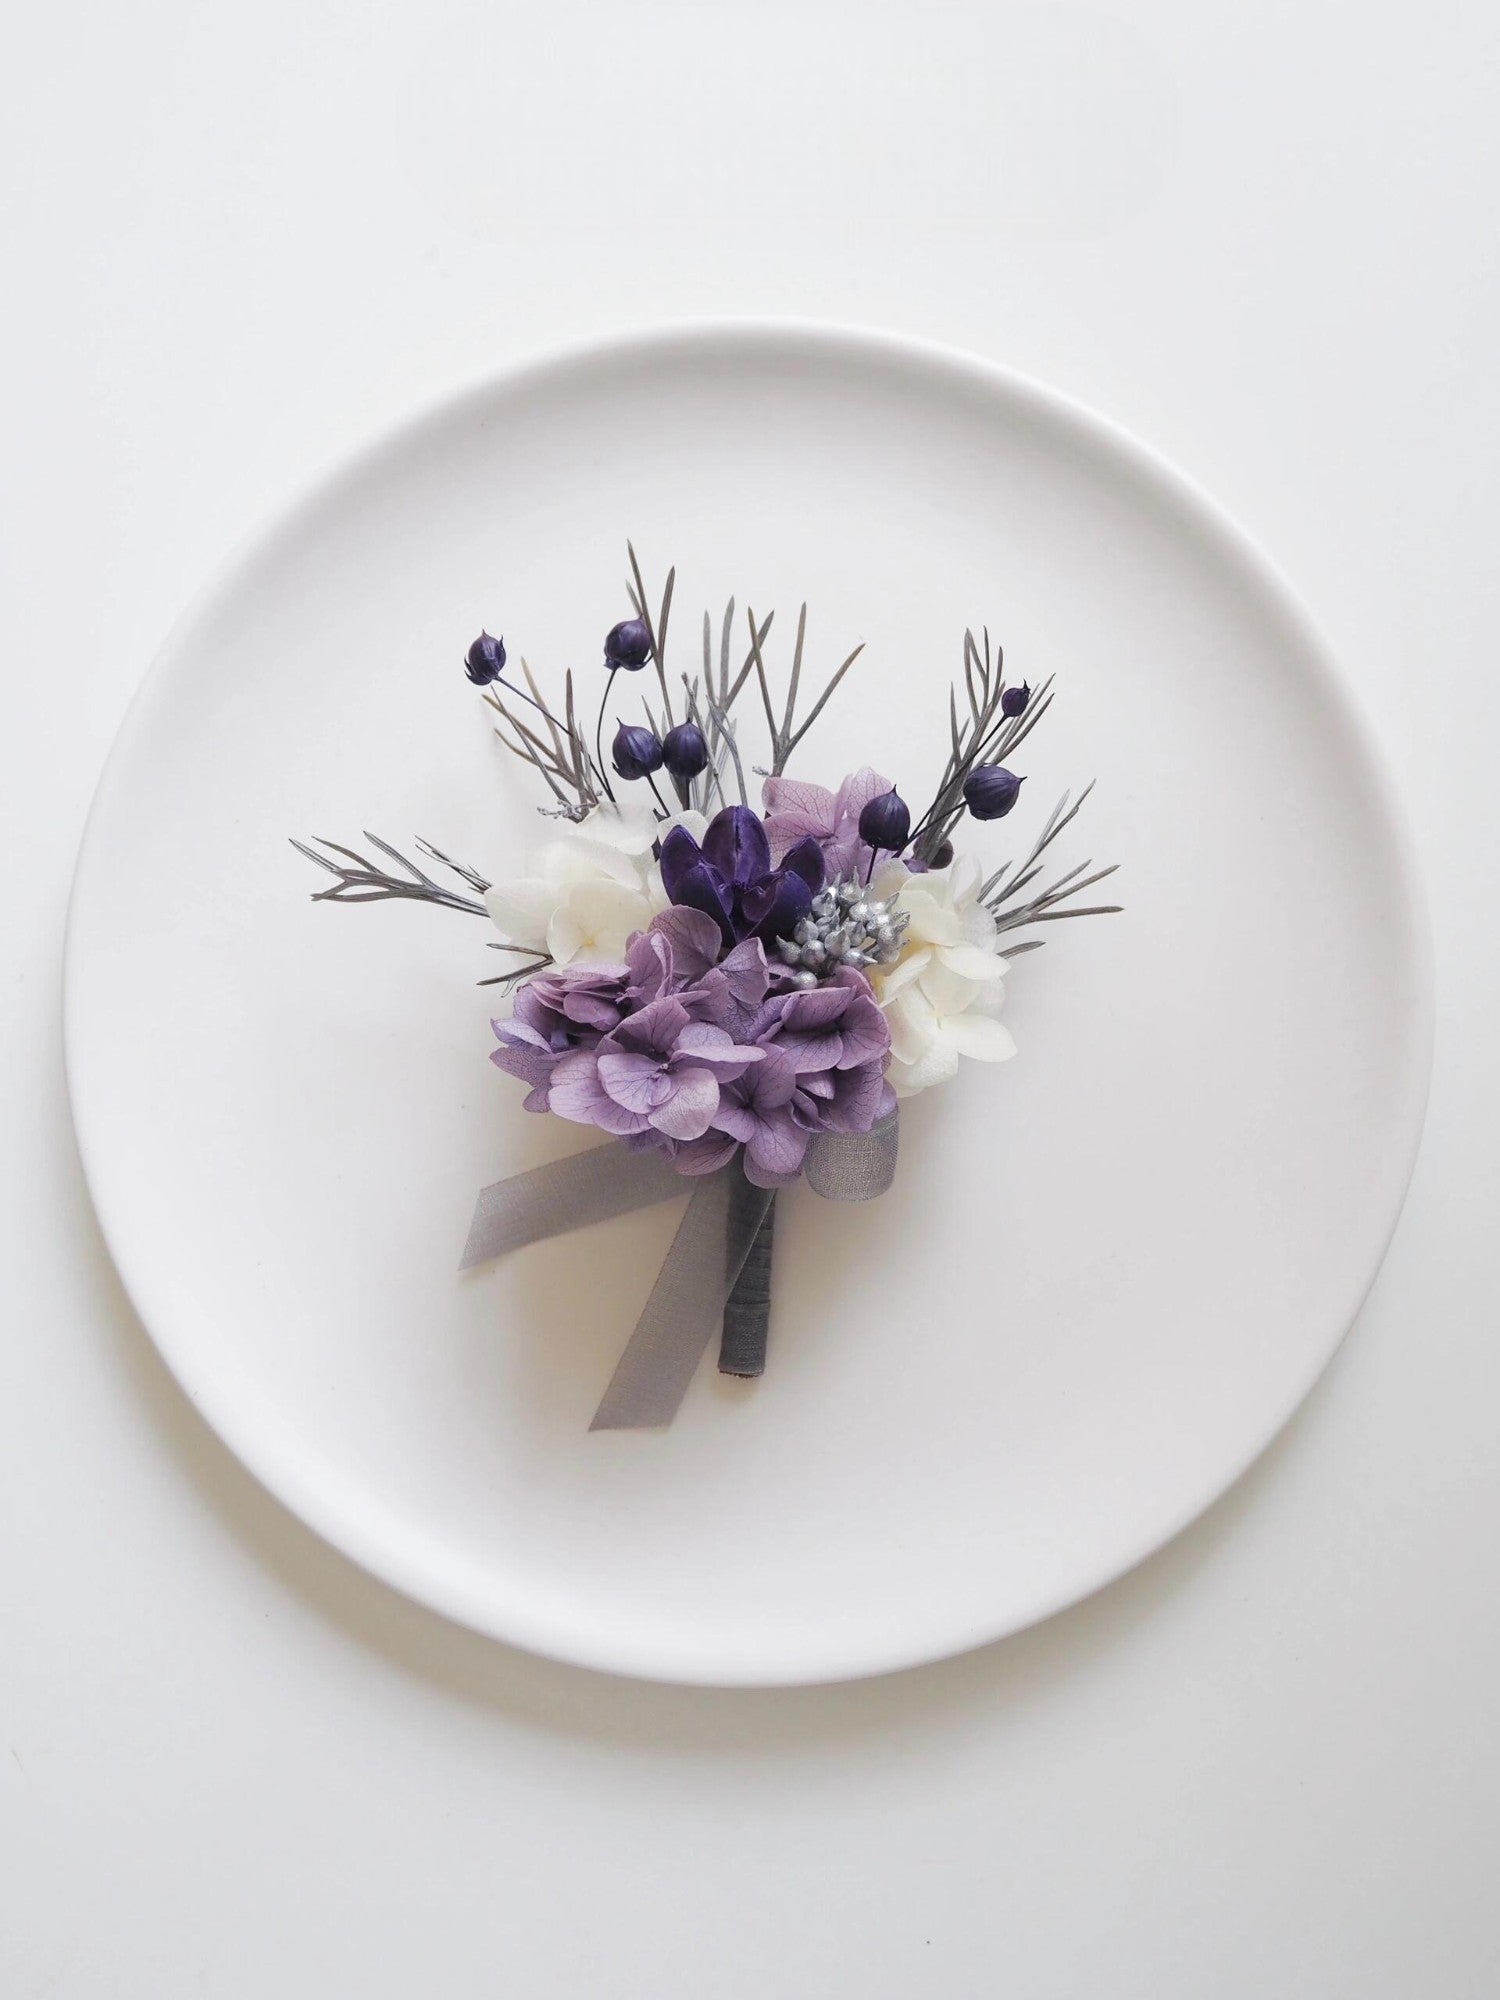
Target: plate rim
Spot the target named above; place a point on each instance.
(280, 1475)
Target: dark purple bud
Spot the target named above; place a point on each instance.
(628, 645)
(943, 858)
(685, 751)
(485, 660)
(637, 752)
(886, 822)
(736, 844)
(991, 791)
(774, 906)
(679, 853)
(1013, 701)
(806, 859)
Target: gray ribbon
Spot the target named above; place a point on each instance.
(727, 1220)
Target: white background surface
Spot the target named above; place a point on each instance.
(238, 240)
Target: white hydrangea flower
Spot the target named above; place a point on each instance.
(589, 890)
(942, 995)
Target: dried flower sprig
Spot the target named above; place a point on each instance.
(788, 733)
(360, 880)
(988, 722)
(992, 731)
(998, 893)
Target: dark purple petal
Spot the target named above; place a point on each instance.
(679, 853)
(736, 845)
(702, 888)
(805, 858)
(774, 906)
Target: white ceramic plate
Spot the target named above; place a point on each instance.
(1110, 1269)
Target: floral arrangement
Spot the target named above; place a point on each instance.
(735, 993)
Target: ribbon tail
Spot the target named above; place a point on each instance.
(568, 1194)
(686, 1303)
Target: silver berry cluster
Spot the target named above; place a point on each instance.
(845, 926)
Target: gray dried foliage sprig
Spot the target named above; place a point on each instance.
(1002, 888)
(983, 735)
(710, 703)
(561, 756)
(787, 732)
(358, 879)
(984, 731)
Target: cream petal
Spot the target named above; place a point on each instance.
(913, 1026)
(971, 961)
(950, 993)
(938, 1064)
(575, 858)
(521, 910)
(891, 980)
(605, 916)
(694, 822)
(979, 1036)
(977, 925)
(928, 922)
(890, 879)
(964, 879)
(565, 936)
(629, 828)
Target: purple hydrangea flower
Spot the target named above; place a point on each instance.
(831, 1041)
(676, 951)
(796, 812)
(757, 1110)
(660, 1070)
(555, 1013)
(698, 1059)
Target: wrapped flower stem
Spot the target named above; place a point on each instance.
(747, 1312)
